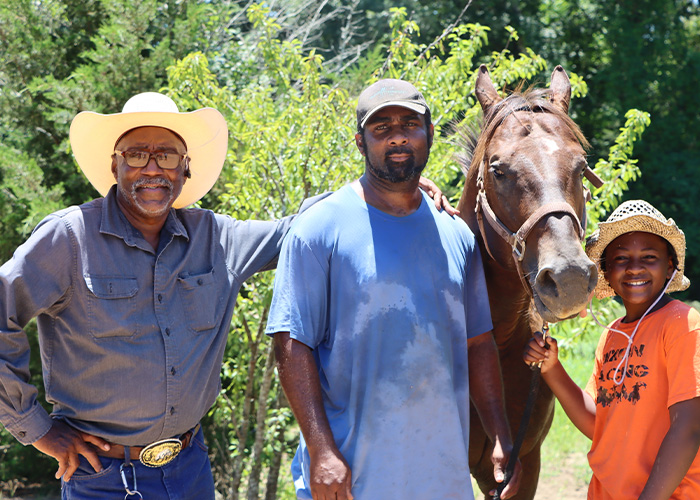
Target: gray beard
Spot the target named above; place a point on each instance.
(133, 200)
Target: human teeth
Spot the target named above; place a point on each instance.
(636, 283)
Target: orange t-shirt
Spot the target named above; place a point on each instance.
(632, 419)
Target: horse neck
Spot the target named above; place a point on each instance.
(510, 303)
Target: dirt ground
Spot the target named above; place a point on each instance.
(561, 484)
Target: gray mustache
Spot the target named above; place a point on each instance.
(155, 181)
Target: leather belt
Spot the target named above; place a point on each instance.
(155, 454)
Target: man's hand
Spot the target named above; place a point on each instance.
(330, 477)
(500, 461)
(441, 202)
(64, 443)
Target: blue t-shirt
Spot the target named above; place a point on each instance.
(387, 304)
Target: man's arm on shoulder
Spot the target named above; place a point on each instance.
(486, 393)
(330, 473)
(253, 245)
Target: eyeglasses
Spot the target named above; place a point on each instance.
(139, 159)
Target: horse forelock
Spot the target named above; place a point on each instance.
(474, 140)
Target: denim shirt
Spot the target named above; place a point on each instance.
(132, 339)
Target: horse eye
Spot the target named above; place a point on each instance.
(582, 166)
(495, 168)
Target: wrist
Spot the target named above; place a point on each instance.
(321, 451)
(549, 369)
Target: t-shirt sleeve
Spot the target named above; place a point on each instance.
(300, 296)
(683, 358)
(476, 297)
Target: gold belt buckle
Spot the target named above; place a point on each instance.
(160, 453)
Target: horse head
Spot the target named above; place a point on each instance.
(524, 197)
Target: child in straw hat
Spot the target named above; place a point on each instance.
(641, 407)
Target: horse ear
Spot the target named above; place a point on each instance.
(561, 89)
(484, 89)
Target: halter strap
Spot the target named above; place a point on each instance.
(517, 240)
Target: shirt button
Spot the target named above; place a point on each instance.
(167, 332)
(172, 370)
(160, 298)
(172, 410)
(21, 434)
(200, 281)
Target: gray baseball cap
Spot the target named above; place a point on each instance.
(385, 93)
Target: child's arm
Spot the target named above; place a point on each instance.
(578, 404)
(677, 451)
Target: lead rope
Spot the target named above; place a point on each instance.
(524, 420)
(630, 338)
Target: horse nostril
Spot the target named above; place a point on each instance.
(546, 284)
(592, 277)
(567, 287)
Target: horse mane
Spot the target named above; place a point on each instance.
(536, 100)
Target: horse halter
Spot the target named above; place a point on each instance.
(517, 239)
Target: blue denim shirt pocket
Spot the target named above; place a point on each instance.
(199, 300)
(111, 306)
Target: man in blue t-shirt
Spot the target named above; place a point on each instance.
(382, 326)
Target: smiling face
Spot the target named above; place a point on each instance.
(396, 144)
(637, 265)
(146, 194)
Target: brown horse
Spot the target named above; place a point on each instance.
(524, 199)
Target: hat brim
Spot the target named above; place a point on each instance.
(418, 108)
(608, 231)
(205, 132)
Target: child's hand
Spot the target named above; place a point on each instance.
(536, 352)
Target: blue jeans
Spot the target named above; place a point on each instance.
(188, 477)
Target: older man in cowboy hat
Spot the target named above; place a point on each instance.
(133, 295)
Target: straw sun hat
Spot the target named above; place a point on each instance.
(630, 216)
(205, 132)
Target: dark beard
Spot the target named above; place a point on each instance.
(397, 172)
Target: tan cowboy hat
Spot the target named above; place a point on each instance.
(205, 132)
(630, 216)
